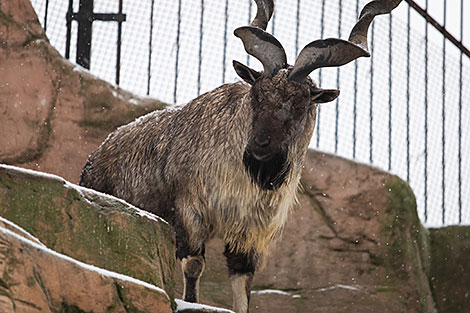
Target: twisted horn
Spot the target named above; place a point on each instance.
(263, 46)
(264, 13)
(336, 52)
(258, 43)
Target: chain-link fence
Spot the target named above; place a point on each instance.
(401, 110)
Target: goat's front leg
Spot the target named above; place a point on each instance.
(241, 269)
(192, 264)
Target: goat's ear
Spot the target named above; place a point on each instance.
(247, 74)
(318, 95)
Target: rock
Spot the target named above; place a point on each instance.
(450, 268)
(36, 279)
(54, 114)
(88, 226)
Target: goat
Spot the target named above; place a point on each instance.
(229, 162)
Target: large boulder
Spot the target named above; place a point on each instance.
(90, 227)
(54, 114)
(37, 279)
(450, 268)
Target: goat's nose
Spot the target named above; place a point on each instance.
(262, 142)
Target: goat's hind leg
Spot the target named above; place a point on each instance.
(193, 267)
(241, 269)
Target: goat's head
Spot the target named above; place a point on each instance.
(282, 95)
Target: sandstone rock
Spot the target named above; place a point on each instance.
(50, 105)
(36, 279)
(93, 228)
(450, 268)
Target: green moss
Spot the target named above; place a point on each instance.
(450, 268)
(95, 230)
(406, 257)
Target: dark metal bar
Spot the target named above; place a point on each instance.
(340, 11)
(426, 64)
(224, 59)
(68, 18)
(297, 26)
(440, 28)
(390, 86)
(355, 96)
(443, 113)
(85, 22)
(322, 32)
(45, 15)
(371, 107)
(201, 37)
(249, 22)
(85, 17)
(118, 48)
(149, 68)
(408, 95)
(460, 116)
(177, 51)
(109, 17)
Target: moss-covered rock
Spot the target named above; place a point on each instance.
(406, 251)
(93, 228)
(37, 279)
(450, 268)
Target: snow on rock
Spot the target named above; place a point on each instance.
(9, 225)
(47, 281)
(88, 226)
(183, 306)
(340, 286)
(274, 291)
(86, 193)
(103, 272)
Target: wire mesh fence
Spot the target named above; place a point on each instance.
(400, 110)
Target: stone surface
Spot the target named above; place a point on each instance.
(93, 228)
(48, 104)
(450, 268)
(36, 279)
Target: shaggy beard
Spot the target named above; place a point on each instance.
(269, 174)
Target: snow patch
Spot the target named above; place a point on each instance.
(84, 191)
(273, 291)
(93, 268)
(134, 101)
(340, 286)
(183, 305)
(21, 230)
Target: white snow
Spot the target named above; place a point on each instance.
(21, 230)
(341, 286)
(183, 305)
(273, 291)
(98, 270)
(133, 101)
(84, 191)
